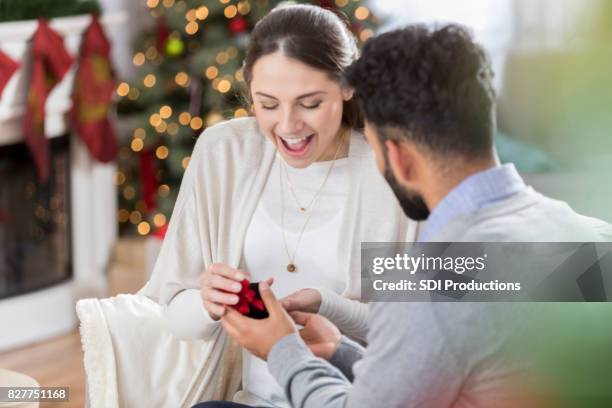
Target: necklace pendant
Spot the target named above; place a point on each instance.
(291, 267)
(302, 210)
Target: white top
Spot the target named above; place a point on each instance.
(316, 257)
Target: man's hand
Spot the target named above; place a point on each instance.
(304, 300)
(259, 336)
(319, 334)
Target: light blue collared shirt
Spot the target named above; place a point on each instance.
(475, 192)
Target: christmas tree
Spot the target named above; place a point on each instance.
(189, 77)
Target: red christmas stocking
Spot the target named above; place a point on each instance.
(7, 68)
(93, 90)
(50, 62)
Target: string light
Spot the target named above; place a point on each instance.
(224, 1)
(161, 152)
(239, 75)
(144, 228)
(140, 133)
(123, 215)
(186, 161)
(168, 3)
(134, 94)
(152, 3)
(244, 7)
(159, 220)
(192, 27)
(230, 11)
(341, 3)
(151, 53)
(232, 52)
(365, 35)
(361, 13)
(137, 145)
(191, 15)
(240, 112)
(182, 79)
(224, 86)
(139, 59)
(135, 217)
(222, 58)
(202, 13)
(213, 118)
(163, 190)
(155, 120)
(173, 129)
(184, 118)
(196, 123)
(149, 80)
(123, 89)
(141, 206)
(211, 72)
(119, 178)
(161, 128)
(165, 112)
(129, 193)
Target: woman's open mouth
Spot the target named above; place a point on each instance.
(297, 147)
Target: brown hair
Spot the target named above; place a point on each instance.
(310, 34)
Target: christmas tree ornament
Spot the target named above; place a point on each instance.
(92, 95)
(50, 62)
(148, 183)
(238, 25)
(163, 33)
(175, 46)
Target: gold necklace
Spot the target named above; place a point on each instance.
(304, 208)
(291, 267)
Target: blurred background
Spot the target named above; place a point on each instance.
(86, 194)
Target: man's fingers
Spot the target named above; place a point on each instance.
(300, 317)
(289, 302)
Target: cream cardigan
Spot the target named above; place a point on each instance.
(218, 195)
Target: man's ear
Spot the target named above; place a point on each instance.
(404, 161)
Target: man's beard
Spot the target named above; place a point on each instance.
(411, 202)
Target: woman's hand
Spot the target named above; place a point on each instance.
(219, 286)
(304, 300)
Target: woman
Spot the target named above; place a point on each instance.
(288, 195)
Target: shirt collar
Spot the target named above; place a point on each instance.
(475, 192)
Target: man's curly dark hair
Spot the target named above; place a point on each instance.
(431, 85)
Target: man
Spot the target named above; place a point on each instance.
(429, 110)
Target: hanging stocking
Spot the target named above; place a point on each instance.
(50, 62)
(94, 85)
(7, 68)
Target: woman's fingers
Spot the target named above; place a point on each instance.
(222, 283)
(215, 311)
(219, 297)
(228, 272)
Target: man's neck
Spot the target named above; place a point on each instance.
(445, 182)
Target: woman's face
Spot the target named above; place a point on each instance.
(298, 108)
